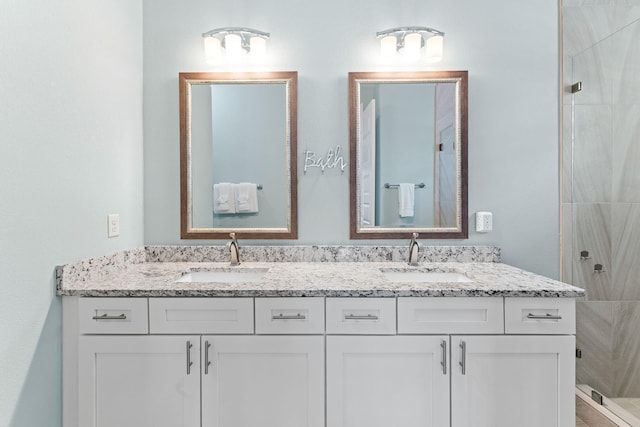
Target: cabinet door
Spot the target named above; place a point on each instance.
(382, 381)
(506, 381)
(266, 381)
(139, 381)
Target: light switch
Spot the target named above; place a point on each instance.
(484, 222)
(113, 225)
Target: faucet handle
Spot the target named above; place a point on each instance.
(233, 241)
(414, 248)
(234, 249)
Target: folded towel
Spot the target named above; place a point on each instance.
(405, 199)
(246, 197)
(224, 201)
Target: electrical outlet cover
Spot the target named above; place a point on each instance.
(113, 225)
(484, 222)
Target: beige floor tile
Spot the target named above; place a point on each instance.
(589, 416)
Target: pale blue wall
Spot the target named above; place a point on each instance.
(509, 47)
(71, 136)
(70, 153)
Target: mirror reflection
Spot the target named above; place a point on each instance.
(408, 136)
(238, 155)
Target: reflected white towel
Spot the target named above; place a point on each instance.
(406, 194)
(224, 201)
(247, 197)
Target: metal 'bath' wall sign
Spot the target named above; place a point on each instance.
(332, 160)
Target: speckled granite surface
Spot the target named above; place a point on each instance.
(323, 253)
(90, 269)
(129, 275)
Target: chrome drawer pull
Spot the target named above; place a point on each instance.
(107, 317)
(360, 317)
(443, 344)
(289, 317)
(463, 357)
(544, 316)
(207, 363)
(189, 362)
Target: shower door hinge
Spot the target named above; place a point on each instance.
(597, 397)
(578, 353)
(576, 87)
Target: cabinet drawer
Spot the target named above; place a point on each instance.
(289, 315)
(201, 315)
(361, 316)
(113, 316)
(540, 316)
(450, 315)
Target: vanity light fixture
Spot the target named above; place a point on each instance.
(232, 43)
(409, 42)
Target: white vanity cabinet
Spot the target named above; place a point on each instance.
(212, 371)
(506, 381)
(271, 381)
(376, 378)
(138, 381)
(381, 381)
(525, 377)
(236, 362)
(143, 381)
(421, 378)
(275, 379)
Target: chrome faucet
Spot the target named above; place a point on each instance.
(414, 248)
(234, 249)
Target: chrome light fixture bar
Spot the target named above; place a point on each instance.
(409, 41)
(232, 42)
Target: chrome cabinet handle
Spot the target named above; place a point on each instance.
(463, 357)
(107, 317)
(206, 357)
(360, 317)
(544, 316)
(443, 344)
(289, 317)
(189, 362)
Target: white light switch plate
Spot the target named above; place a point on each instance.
(484, 222)
(113, 225)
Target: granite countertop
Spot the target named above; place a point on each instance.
(307, 279)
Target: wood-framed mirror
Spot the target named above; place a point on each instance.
(238, 155)
(408, 151)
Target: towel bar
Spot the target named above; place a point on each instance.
(387, 185)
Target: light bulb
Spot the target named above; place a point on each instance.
(233, 47)
(257, 49)
(388, 47)
(212, 50)
(412, 45)
(435, 48)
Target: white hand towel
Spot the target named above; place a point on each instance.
(224, 198)
(247, 197)
(406, 194)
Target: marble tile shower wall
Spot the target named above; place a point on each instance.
(601, 191)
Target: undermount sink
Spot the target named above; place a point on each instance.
(412, 276)
(225, 276)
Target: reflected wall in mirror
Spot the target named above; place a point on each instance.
(408, 149)
(238, 155)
